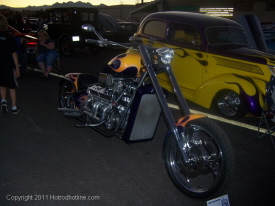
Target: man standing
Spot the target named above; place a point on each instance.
(9, 69)
(21, 52)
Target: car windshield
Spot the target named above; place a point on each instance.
(226, 35)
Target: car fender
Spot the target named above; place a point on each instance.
(65, 35)
(250, 89)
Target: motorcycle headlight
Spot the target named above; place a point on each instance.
(272, 68)
(166, 54)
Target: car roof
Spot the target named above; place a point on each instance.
(196, 19)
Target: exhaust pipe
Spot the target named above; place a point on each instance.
(70, 112)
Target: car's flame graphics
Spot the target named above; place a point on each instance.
(196, 56)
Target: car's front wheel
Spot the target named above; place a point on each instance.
(66, 46)
(230, 105)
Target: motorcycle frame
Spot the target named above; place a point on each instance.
(152, 73)
(182, 142)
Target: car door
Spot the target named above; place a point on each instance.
(189, 61)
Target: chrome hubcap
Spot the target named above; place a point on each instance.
(229, 103)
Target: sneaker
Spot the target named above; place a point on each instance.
(4, 107)
(15, 111)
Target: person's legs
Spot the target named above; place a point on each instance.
(14, 109)
(48, 70)
(10, 82)
(41, 62)
(42, 67)
(13, 97)
(3, 92)
(51, 57)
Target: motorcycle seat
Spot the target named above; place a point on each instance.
(86, 80)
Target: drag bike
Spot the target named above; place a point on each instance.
(126, 100)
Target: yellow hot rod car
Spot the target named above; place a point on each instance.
(213, 62)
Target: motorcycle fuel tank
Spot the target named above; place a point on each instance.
(126, 64)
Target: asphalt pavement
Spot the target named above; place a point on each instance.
(46, 160)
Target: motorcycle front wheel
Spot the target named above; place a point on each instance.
(210, 164)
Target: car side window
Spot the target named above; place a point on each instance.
(66, 17)
(226, 35)
(57, 17)
(182, 33)
(86, 16)
(92, 17)
(155, 28)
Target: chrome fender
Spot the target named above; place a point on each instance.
(181, 123)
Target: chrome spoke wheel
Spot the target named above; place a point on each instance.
(209, 163)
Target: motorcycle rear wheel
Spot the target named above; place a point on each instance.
(66, 101)
(211, 160)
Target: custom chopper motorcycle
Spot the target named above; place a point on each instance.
(126, 101)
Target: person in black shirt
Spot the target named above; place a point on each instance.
(21, 52)
(9, 69)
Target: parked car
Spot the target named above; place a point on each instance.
(127, 30)
(108, 27)
(31, 42)
(213, 62)
(65, 25)
(33, 23)
(29, 24)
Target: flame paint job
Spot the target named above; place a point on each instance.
(184, 120)
(126, 64)
(204, 70)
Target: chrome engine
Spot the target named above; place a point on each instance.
(108, 100)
